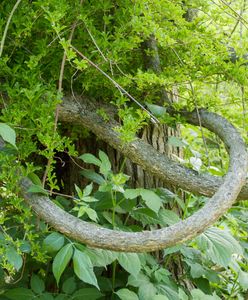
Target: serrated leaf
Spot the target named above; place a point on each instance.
(87, 293)
(37, 189)
(53, 242)
(61, 260)
(125, 294)
(199, 295)
(130, 262)
(131, 193)
(100, 257)
(196, 270)
(90, 159)
(91, 175)
(20, 294)
(105, 167)
(37, 284)
(83, 268)
(219, 245)
(14, 258)
(168, 217)
(139, 280)
(152, 200)
(8, 134)
(147, 291)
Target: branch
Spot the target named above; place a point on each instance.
(95, 236)
(83, 112)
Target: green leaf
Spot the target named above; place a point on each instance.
(83, 268)
(219, 245)
(176, 142)
(87, 293)
(45, 296)
(8, 134)
(88, 189)
(37, 189)
(90, 159)
(125, 294)
(139, 280)
(37, 284)
(157, 110)
(91, 213)
(131, 193)
(196, 270)
(100, 257)
(199, 295)
(147, 291)
(69, 286)
(160, 297)
(130, 262)
(61, 260)
(152, 200)
(91, 175)
(14, 258)
(79, 192)
(243, 280)
(53, 242)
(105, 167)
(20, 294)
(168, 217)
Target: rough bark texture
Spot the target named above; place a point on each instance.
(140, 152)
(83, 111)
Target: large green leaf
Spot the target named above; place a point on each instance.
(20, 294)
(90, 159)
(14, 258)
(8, 134)
(168, 217)
(83, 268)
(37, 189)
(37, 284)
(91, 175)
(125, 294)
(160, 297)
(87, 294)
(53, 242)
(152, 200)
(199, 295)
(130, 262)
(219, 245)
(61, 260)
(69, 285)
(101, 258)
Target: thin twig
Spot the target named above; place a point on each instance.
(124, 92)
(7, 26)
(60, 87)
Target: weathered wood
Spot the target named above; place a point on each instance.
(96, 236)
(83, 111)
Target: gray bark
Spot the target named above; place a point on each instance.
(83, 111)
(95, 236)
